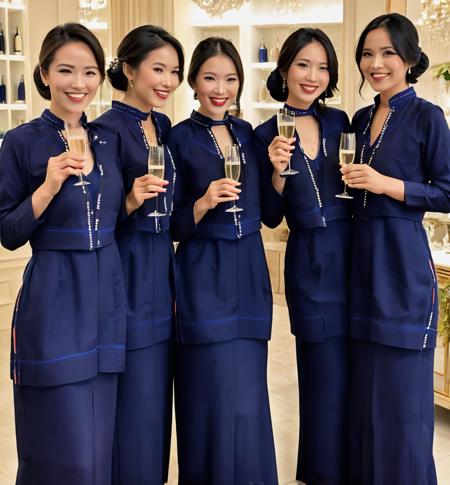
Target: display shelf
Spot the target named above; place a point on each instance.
(101, 27)
(13, 66)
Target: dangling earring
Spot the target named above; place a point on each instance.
(131, 83)
(284, 87)
(409, 71)
(195, 95)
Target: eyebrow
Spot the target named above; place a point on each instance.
(381, 48)
(163, 65)
(215, 74)
(72, 66)
(308, 60)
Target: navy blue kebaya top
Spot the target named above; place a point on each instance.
(223, 287)
(69, 321)
(318, 248)
(144, 242)
(394, 298)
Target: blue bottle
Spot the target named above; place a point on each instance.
(263, 53)
(3, 91)
(21, 90)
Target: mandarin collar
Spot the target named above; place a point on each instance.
(400, 98)
(208, 122)
(58, 123)
(135, 113)
(311, 111)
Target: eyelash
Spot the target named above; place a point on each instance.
(388, 53)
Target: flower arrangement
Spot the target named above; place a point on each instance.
(442, 70)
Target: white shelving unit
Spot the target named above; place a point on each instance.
(12, 66)
(246, 28)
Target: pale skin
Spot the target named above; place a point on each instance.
(157, 73)
(217, 79)
(386, 73)
(73, 78)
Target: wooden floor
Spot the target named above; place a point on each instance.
(284, 402)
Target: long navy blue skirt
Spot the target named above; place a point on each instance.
(323, 374)
(391, 415)
(65, 433)
(224, 429)
(144, 417)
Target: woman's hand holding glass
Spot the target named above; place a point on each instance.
(144, 188)
(280, 152)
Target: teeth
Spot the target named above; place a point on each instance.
(73, 95)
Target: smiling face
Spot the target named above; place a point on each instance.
(73, 78)
(217, 86)
(381, 66)
(308, 75)
(156, 77)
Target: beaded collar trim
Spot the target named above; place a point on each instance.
(130, 110)
(58, 123)
(206, 121)
(311, 111)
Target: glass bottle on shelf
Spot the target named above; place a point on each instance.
(263, 52)
(275, 52)
(17, 41)
(2, 40)
(3, 90)
(263, 93)
(21, 90)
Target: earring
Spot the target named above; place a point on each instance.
(284, 87)
(131, 83)
(409, 71)
(195, 95)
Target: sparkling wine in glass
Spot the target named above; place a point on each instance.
(156, 167)
(346, 156)
(286, 128)
(233, 170)
(77, 141)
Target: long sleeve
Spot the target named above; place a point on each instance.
(434, 194)
(182, 222)
(17, 221)
(272, 203)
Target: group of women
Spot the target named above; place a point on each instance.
(107, 315)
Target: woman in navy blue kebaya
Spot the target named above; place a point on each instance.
(318, 249)
(402, 169)
(148, 68)
(224, 302)
(68, 333)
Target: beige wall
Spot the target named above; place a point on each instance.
(44, 15)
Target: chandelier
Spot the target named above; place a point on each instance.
(89, 9)
(219, 7)
(435, 20)
(284, 7)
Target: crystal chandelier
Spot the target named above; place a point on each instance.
(89, 9)
(219, 7)
(284, 7)
(435, 20)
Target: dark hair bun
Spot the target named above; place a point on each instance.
(116, 76)
(275, 86)
(43, 90)
(418, 69)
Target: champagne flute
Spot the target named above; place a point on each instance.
(286, 128)
(156, 167)
(346, 156)
(233, 170)
(77, 141)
